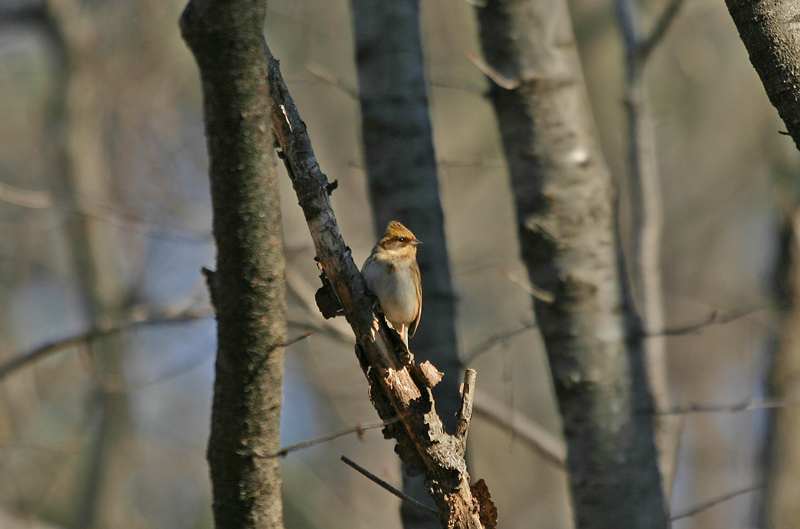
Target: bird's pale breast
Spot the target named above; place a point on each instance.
(395, 290)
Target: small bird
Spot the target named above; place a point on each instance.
(392, 274)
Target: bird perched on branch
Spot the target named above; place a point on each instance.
(392, 274)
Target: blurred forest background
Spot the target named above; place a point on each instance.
(105, 223)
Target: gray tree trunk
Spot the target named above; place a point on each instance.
(78, 137)
(403, 183)
(565, 214)
(769, 31)
(247, 289)
(780, 508)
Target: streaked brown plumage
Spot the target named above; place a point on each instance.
(392, 274)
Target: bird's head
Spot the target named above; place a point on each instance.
(399, 239)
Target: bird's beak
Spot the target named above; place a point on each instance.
(416, 242)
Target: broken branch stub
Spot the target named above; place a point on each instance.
(397, 387)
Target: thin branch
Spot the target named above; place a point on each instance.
(749, 405)
(298, 287)
(713, 319)
(299, 338)
(716, 501)
(455, 164)
(86, 208)
(163, 377)
(648, 44)
(50, 348)
(530, 288)
(687, 329)
(358, 429)
(334, 80)
(408, 499)
(493, 340)
(494, 75)
(545, 443)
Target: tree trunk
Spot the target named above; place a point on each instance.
(84, 176)
(769, 31)
(780, 508)
(565, 213)
(247, 289)
(403, 183)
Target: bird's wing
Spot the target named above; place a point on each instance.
(412, 328)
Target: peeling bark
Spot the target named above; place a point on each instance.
(398, 387)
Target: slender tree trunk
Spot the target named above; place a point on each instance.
(84, 175)
(403, 183)
(780, 508)
(769, 31)
(565, 214)
(646, 225)
(247, 289)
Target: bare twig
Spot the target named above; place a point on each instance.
(88, 209)
(716, 501)
(358, 429)
(473, 163)
(411, 501)
(495, 339)
(332, 79)
(300, 289)
(120, 385)
(491, 73)
(749, 405)
(648, 44)
(50, 348)
(529, 287)
(713, 319)
(299, 338)
(546, 444)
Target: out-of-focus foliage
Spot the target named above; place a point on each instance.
(724, 171)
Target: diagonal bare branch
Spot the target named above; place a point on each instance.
(358, 429)
(398, 387)
(51, 348)
(716, 501)
(400, 494)
(549, 446)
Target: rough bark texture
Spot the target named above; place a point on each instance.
(398, 387)
(564, 204)
(247, 289)
(403, 180)
(770, 33)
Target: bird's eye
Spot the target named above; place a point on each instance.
(401, 239)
